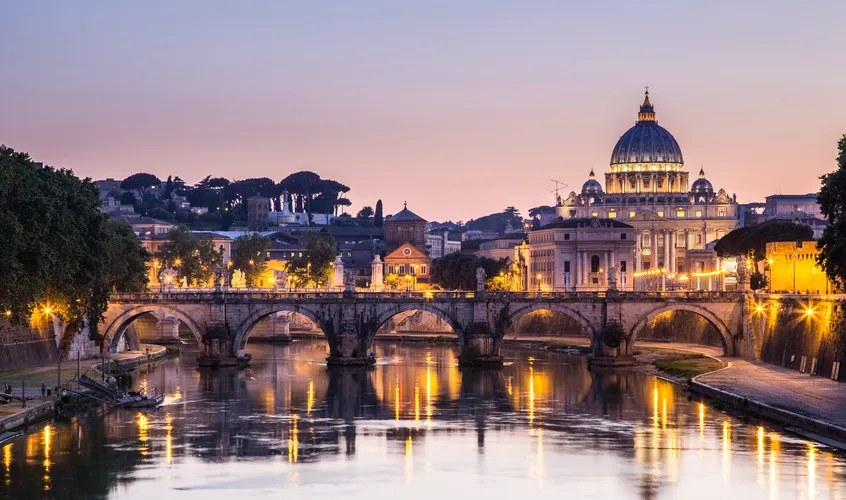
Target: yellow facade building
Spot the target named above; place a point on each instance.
(793, 268)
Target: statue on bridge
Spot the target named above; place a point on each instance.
(220, 278)
(280, 279)
(349, 280)
(612, 277)
(480, 279)
(238, 279)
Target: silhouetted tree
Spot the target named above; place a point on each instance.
(832, 200)
(378, 218)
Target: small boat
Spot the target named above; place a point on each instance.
(139, 400)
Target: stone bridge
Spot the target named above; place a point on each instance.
(222, 321)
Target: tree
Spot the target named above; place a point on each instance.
(127, 263)
(53, 252)
(378, 219)
(314, 267)
(168, 187)
(741, 240)
(365, 213)
(140, 182)
(194, 259)
(457, 271)
(303, 184)
(832, 200)
(249, 254)
(127, 198)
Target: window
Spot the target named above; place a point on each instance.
(566, 236)
(594, 264)
(423, 269)
(679, 212)
(646, 241)
(699, 239)
(622, 266)
(622, 236)
(699, 213)
(721, 212)
(594, 214)
(631, 213)
(660, 213)
(566, 266)
(612, 214)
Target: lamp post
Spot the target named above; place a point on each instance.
(539, 281)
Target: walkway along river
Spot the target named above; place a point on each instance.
(543, 426)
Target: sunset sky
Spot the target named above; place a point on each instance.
(459, 107)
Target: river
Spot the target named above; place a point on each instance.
(545, 426)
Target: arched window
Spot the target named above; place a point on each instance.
(594, 264)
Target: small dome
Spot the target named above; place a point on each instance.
(592, 186)
(701, 185)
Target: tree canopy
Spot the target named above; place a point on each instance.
(59, 254)
(832, 200)
(743, 239)
(379, 218)
(249, 255)
(457, 271)
(141, 181)
(193, 258)
(314, 267)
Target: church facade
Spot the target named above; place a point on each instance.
(676, 223)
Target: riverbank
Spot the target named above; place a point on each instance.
(38, 407)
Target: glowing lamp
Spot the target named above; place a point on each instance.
(760, 308)
(809, 312)
(47, 310)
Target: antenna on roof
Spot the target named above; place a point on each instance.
(558, 185)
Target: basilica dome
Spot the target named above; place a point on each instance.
(701, 185)
(647, 142)
(592, 186)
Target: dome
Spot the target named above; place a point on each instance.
(646, 142)
(592, 186)
(701, 185)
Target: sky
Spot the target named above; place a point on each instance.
(460, 108)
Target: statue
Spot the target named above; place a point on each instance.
(612, 277)
(349, 280)
(168, 278)
(238, 279)
(219, 278)
(280, 278)
(480, 279)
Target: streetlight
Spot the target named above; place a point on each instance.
(539, 281)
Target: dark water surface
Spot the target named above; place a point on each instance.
(415, 427)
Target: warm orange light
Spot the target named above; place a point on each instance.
(251, 262)
(47, 310)
(809, 312)
(8, 312)
(760, 308)
(178, 262)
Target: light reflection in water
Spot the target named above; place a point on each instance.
(47, 434)
(550, 408)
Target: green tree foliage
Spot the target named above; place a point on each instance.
(193, 258)
(832, 200)
(127, 265)
(127, 198)
(741, 240)
(497, 222)
(313, 194)
(55, 249)
(314, 268)
(365, 213)
(379, 218)
(249, 254)
(141, 182)
(457, 271)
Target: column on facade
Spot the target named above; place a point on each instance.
(673, 266)
(653, 252)
(704, 237)
(603, 276)
(638, 266)
(585, 268)
(687, 239)
(666, 249)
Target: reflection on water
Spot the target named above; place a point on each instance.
(416, 424)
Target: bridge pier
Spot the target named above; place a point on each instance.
(351, 346)
(481, 348)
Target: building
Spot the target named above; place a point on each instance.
(479, 234)
(576, 255)
(109, 185)
(439, 244)
(408, 257)
(792, 205)
(792, 268)
(502, 248)
(647, 188)
(258, 208)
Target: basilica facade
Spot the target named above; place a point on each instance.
(676, 223)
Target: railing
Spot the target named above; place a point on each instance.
(262, 294)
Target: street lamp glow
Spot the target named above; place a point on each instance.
(178, 262)
(251, 262)
(47, 310)
(8, 313)
(809, 312)
(760, 308)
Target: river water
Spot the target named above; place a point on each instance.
(415, 427)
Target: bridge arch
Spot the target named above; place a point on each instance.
(725, 333)
(242, 331)
(586, 325)
(383, 314)
(117, 328)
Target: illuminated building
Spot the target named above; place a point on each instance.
(408, 258)
(792, 267)
(575, 255)
(647, 188)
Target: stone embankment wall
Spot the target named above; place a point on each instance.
(808, 336)
(22, 345)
